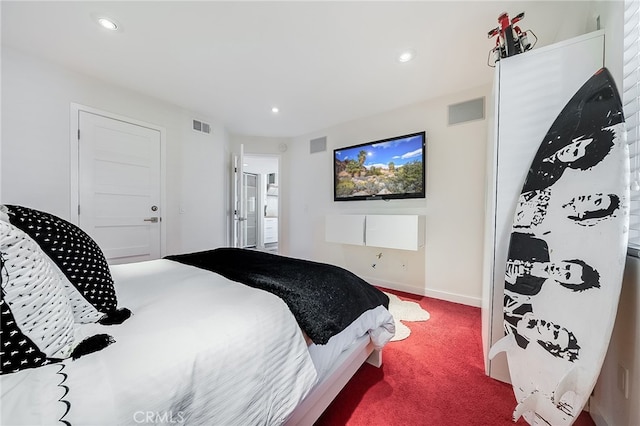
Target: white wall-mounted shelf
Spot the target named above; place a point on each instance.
(403, 232)
(345, 229)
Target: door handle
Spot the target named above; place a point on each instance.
(151, 219)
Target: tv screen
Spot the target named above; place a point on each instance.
(385, 169)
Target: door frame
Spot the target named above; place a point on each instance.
(262, 190)
(237, 197)
(74, 152)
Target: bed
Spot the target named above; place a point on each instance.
(198, 347)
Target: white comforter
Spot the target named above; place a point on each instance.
(199, 349)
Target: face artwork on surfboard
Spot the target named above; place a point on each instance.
(584, 137)
(529, 267)
(583, 210)
(580, 138)
(566, 257)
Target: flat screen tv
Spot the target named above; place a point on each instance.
(380, 170)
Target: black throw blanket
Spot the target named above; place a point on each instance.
(324, 298)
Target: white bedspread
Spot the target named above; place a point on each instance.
(377, 322)
(199, 349)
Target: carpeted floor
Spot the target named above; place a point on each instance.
(434, 377)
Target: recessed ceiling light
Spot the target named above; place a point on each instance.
(406, 55)
(108, 23)
(275, 110)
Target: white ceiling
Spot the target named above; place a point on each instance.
(322, 63)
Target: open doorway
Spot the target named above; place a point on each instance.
(262, 171)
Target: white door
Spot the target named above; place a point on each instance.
(251, 209)
(238, 218)
(119, 187)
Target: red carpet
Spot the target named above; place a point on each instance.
(434, 377)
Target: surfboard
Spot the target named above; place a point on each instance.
(566, 257)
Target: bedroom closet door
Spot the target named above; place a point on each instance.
(119, 187)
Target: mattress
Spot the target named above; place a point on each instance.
(377, 323)
(198, 349)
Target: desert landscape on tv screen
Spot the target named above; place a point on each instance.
(392, 167)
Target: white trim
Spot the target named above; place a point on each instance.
(595, 413)
(476, 302)
(74, 184)
(436, 294)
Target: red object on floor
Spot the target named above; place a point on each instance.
(434, 377)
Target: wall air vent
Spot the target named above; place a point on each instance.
(466, 111)
(318, 145)
(201, 126)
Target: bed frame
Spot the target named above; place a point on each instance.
(325, 391)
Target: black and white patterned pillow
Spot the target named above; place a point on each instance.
(77, 256)
(37, 319)
(18, 351)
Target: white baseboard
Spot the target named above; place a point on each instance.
(436, 294)
(595, 413)
(453, 297)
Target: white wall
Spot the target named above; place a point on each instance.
(609, 406)
(450, 264)
(36, 99)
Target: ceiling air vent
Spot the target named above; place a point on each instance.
(202, 127)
